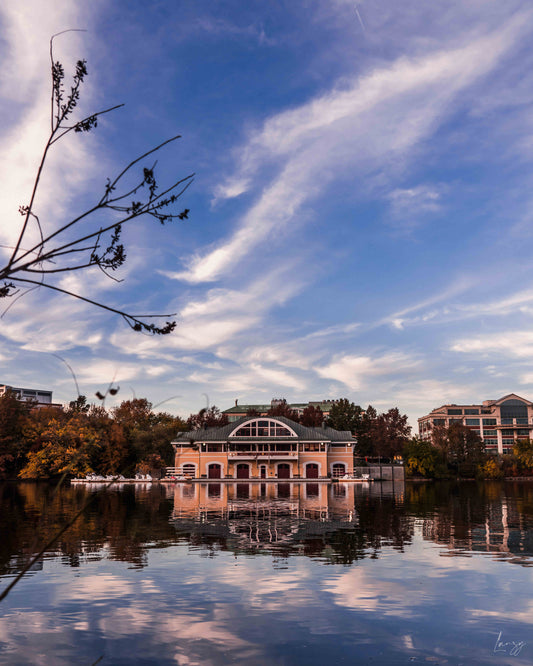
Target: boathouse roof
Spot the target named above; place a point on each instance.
(301, 433)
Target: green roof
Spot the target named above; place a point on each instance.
(325, 406)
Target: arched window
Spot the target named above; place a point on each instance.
(311, 471)
(338, 470)
(263, 428)
(242, 471)
(513, 409)
(214, 471)
(284, 471)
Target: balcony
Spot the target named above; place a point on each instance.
(262, 456)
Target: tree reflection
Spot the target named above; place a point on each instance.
(334, 524)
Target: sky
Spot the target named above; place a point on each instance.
(361, 213)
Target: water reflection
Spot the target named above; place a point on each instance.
(314, 519)
(262, 573)
(339, 523)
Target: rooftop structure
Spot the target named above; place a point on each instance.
(499, 423)
(238, 411)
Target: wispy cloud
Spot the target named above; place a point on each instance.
(368, 124)
(409, 205)
(514, 344)
(25, 88)
(221, 27)
(520, 302)
(356, 371)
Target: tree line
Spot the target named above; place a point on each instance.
(82, 438)
(458, 451)
(132, 437)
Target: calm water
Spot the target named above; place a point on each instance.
(270, 574)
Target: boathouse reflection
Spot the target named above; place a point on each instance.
(316, 519)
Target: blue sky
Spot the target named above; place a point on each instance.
(360, 221)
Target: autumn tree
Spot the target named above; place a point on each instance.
(390, 433)
(464, 448)
(210, 417)
(134, 414)
(147, 434)
(114, 454)
(154, 445)
(13, 448)
(345, 415)
(523, 450)
(65, 447)
(312, 416)
(91, 240)
(364, 431)
(78, 406)
(423, 459)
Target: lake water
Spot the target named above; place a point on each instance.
(280, 574)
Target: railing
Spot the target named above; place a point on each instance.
(261, 454)
(178, 471)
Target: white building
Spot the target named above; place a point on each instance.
(41, 397)
(499, 423)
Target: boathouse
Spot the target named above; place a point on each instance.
(265, 448)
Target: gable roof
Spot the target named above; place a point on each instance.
(509, 396)
(222, 434)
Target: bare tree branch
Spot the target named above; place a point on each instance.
(69, 248)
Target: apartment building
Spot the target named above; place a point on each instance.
(499, 423)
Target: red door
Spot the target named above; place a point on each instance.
(284, 471)
(311, 471)
(214, 472)
(243, 471)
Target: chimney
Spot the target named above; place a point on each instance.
(236, 401)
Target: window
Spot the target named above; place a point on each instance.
(490, 433)
(472, 422)
(263, 428)
(489, 422)
(513, 409)
(215, 448)
(471, 411)
(439, 422)
(454, 412)
(338, 470)
(312, 447)
(189, 469)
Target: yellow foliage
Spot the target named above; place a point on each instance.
(491, 470)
